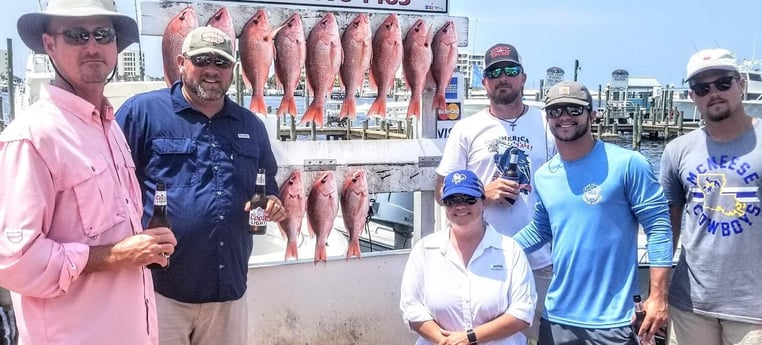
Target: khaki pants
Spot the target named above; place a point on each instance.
(688, 328)
(542, 279)
(202, 323)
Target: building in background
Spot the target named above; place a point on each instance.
(466, 62)
(128, 66)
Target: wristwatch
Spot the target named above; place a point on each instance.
(471, 336)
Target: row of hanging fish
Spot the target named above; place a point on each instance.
(321, 207)
(427, 59)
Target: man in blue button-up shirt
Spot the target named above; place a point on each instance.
(207, 149)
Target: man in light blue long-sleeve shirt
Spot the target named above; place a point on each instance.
(591, 198)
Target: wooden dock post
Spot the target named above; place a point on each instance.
(679, 115)
(637, 128)
(293, 128)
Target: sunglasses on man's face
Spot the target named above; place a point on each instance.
(556, 112)
(509, 71)
(456, 200)
(80, 36)
(722, 84)
(204, 60)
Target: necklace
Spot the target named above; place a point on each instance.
(512, 122)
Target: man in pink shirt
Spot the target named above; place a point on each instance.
(72, 250)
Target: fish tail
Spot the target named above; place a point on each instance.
(291, 250)
(378, 107)
(439, 101)
(354, 248)
(314, 113)
(320, 254)
(348, 108)
(257, 105)
(414, 107)
(287, 105)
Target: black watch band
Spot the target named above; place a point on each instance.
(471, 336)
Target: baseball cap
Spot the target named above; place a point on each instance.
(462, 182)
(206, 39)
(708, 59)
(31, 26)
(501, 52)
(569, 92)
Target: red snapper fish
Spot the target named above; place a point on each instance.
(386, 60)
(324, 58)
(257, 52)
(172, 42)
(356, 44)
(355, 203)
(290, 52)
(223, 21)
(445, 49)
(322, 207)
(294, 203)
(417, 60)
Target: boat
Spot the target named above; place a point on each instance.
(39, 71)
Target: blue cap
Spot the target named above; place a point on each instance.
(462, 182)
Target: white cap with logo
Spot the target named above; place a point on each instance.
(709, 59)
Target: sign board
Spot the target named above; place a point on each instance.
(554, 76)
(427, 6)
(619, 79)
(446, 119)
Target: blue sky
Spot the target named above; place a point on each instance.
(645, 37)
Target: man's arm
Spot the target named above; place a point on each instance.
(656, 306)
(676, 219)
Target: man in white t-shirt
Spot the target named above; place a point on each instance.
(483, 142)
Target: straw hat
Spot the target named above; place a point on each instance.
(31, 26)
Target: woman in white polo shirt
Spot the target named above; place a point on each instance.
(467, 284)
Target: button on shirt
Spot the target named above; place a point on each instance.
(68, 182)
(437, 286)
(210, 167)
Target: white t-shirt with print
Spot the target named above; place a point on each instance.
(481, 143)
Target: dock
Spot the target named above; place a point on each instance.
(651, 123)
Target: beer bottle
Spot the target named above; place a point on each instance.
(640, 314)
(257, 221)
(159, 217)
(512, 172)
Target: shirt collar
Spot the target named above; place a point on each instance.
(77, 105)
(491, 239)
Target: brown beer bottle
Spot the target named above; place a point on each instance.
(257, 206)
(512, 172)
(159, 217)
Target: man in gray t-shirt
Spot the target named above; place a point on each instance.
(711, 178)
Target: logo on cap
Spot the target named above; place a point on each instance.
(212, 37)
(500, 51)
(564, 91)
(458, 178)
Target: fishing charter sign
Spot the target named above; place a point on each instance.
(421, 6)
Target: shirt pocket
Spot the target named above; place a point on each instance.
(174, 162)
(245, 165)
(98, 200)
